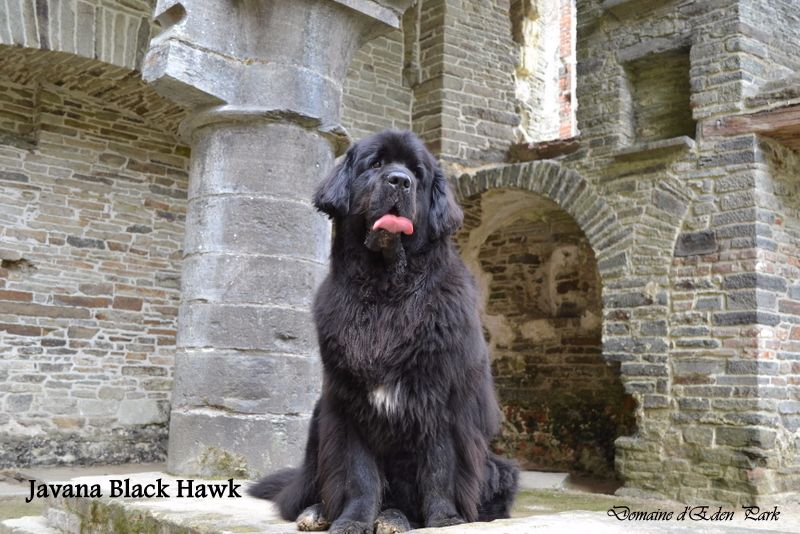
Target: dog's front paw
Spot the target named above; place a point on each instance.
(347, 526)
(392, 521)
(443, 521)
(312, 519)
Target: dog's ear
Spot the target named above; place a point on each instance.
(445, 216)
(333, 194)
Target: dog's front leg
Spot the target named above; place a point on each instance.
(351, 484)
(437, 465)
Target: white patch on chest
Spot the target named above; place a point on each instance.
(386, 399)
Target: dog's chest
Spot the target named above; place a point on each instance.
(387, 399)
(380, 336)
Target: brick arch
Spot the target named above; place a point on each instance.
(116, 35)
(572, 193)
(634, 310)
(108, 85)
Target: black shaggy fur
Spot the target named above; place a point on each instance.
(408, 405)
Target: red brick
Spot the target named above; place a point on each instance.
(789, 306)
(162, 331)
(40, 310)
(87, 302)
(19, 296)
(795, 333)
(21, 330)
(128, 303)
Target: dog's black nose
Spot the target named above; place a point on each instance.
(399, 179)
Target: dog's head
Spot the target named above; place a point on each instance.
(390, 185)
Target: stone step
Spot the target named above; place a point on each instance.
(173, 515)
(33, 524)
(182, 514)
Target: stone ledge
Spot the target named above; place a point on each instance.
(521, 152)
(34, 524)
(174, 515)
(622, 8)
(656, 149)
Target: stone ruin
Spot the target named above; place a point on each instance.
(628, 169)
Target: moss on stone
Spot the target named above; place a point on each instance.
(219, 463)
(13, 507)
(538, 502)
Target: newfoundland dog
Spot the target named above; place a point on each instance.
(400, 435)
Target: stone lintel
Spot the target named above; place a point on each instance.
(520, 152)
(661, 148)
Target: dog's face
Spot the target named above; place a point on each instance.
(390, 186)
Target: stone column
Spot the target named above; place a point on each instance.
(262, 80)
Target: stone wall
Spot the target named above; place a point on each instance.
(375, 95)
(92, 202)
(112, 32)
(659, 92)
(462, 109)
(543, 32)
(564, 404)
(768, 42)
(778, 291)
(690, 308)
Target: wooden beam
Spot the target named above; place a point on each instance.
(762, 122)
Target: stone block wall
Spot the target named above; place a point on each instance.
(92, 202)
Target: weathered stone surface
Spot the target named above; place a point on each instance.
(256, 225)
(246, 327)
(240, 389)
(206, 440)
(745, 437)
(244, 279)
(143, 412)
(695, 243)
(264, 128)
(278, 160)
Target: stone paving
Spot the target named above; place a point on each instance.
(549, 508)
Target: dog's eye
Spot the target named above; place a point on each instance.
(377, 164)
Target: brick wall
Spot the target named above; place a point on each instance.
(92, 202)
(375, 96)
(564, 405)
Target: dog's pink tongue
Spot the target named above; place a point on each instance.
(394, 224)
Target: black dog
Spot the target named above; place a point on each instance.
(408, 404)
